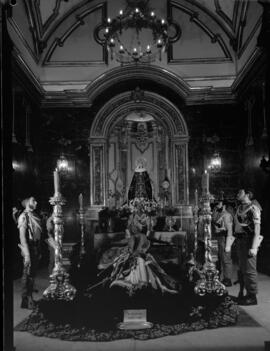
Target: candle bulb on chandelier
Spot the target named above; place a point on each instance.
(159, 43)
(109, 20)
(137, 10)
(121, 12)
(121, 49)
(81, 201)
(56, 182)
(152, 14)
(148, 49)
(205, 182)
(162, 21)
(196, 198)
(181, 218)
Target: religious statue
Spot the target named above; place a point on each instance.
(140, 186)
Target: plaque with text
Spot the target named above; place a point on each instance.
(134, 319)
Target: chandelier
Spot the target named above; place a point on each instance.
(136, 34)
(215, 163)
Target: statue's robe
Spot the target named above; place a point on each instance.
(140, 186)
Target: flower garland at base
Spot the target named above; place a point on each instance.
(45, 321)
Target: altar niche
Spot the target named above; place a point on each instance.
(126, 131)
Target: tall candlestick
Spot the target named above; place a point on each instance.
(181, 216)
(205, 182)
(81, 201)
(196, 198)
(56, 181)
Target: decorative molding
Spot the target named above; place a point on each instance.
(254, 66)
(42, 33)
(185, 61)
(117, 108)
(70, 12)
(211, 96)
(242, 24)
(143, 72)
(61, 40)
(231, 22)
(44, 27)
(86, 97)
(215, 37)
(20, 35)
(34, 27)
(26, 79)
(249, 38)
(223, 25)
(209, 78)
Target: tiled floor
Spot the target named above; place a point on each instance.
(229, 338)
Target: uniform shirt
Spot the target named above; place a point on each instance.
(32, 224)
(246, 216)
(222, 222)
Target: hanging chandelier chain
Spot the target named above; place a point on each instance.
(138, 19)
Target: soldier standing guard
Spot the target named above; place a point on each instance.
(29, 225)
(222, 222)
(247, 232)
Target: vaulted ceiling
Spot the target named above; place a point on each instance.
(56, 46)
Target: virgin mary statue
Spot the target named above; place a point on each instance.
(140, 186)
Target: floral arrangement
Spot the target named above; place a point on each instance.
(124, 211)
(149, 207)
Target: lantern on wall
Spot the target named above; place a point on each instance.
(62, 164)
(215, 163)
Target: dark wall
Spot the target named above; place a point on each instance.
(216, 128)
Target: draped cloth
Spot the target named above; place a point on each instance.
(134, 269)
(134, 272)
(140, 186)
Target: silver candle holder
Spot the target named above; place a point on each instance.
(81, 221)
(59, 288)
(209, 275)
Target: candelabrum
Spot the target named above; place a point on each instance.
(59, 288)
(209, 275)
(196, 220)
(82, 246)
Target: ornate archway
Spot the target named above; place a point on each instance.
(114, 147)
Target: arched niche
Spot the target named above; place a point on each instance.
(115, 144)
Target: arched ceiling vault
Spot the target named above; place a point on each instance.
(54, 42)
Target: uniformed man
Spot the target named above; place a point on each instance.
(247, 232)
(222, 221)
(29, 225)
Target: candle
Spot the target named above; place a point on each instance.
(205, 182)
(196, 197)
(56, 181)
(181, 216)
(81, 201)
